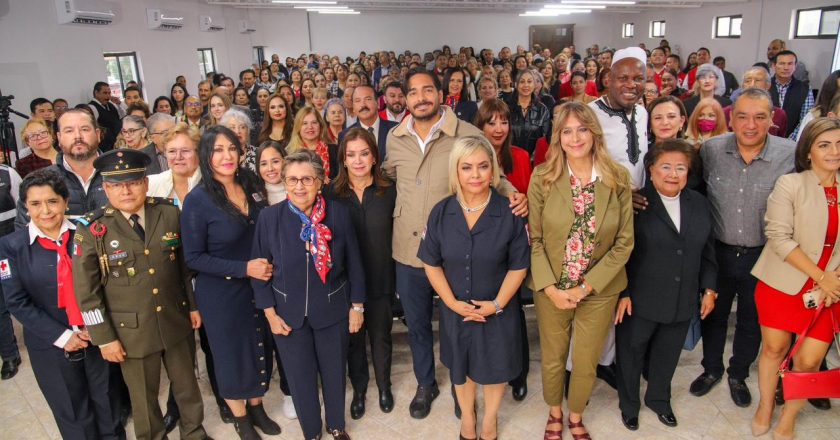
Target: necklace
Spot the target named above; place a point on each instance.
(477, 208)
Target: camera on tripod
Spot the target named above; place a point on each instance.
(6, 103)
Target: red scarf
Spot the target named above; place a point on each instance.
(324, 152)
(316, 235)
(64, 275)
(452, 101)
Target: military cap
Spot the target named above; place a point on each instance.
(122, 165)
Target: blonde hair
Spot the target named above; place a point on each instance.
(225, 101)
(610, 172)
(320, 91)
(464, 147)
(36, 121)
(693, 131)
(296, 142)
(182, 128)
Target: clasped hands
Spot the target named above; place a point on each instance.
(472, 310)
(565, 299)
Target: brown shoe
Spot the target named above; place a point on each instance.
(584, 436)
(553, 434)
(339, 434)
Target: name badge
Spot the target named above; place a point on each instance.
(118, 255)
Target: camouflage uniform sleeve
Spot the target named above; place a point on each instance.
(90, 293)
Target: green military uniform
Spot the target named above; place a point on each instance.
(139, 292)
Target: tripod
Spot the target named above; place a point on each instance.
(8, 141)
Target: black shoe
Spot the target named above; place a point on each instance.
(386, 400)
(739, 392)
(780, 394)
(245, 429)
(421, 404)
(823, 404)
(339, 434)
(520, 390)
(357, 406)
(258, 417)
(225, 413)
(703, 384)
(10, 368)
(631, 423)
(607, 374)
(457, 405)
(667, 419)
(170, 421)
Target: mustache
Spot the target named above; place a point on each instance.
(423, 103)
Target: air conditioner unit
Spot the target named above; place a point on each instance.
(246, 27)
(85, 12)
(209, 23)
(164, 20)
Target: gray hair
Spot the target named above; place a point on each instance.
(305, 157)
(137, 120)
(720, 85)
(757, 69)
(332, 102)
(755, 93)
(157, 118)
(237, 115)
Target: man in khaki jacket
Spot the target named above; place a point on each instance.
(418, 160)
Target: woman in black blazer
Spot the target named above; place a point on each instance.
(672, 266)
(455, 94)
(315, 296)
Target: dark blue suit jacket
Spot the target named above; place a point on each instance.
(295, 289)
(384, 127)
(31, 291)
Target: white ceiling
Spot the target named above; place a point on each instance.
(506, 6)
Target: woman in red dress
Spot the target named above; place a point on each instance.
(493, 118)
(801, 225)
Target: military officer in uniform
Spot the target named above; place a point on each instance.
(135, 294)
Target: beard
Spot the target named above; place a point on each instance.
(396, 108)
(432, 113)
(80, 156)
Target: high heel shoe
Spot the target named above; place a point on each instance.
(777, 436)
(758, 430)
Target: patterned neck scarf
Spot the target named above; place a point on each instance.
(64, 276)
(316, 235)
(324, 153)
(452, 101)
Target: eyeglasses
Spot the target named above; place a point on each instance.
(193, 104)
(160, 133)
(37, 135)
(129, 131)
(292, 182)
(183, 153)
(133, 184)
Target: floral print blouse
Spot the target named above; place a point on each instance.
(581, 241)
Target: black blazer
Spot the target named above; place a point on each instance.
(382, 137)
(668, 269)
(31, 290)
(295, 290)
(466, 110)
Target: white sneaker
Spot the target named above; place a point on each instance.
(289, 408)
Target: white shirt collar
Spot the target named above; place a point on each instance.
(410, 128)
(35, 231)
(595, 175)
(375, 125)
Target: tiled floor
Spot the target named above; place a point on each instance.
(24, 413)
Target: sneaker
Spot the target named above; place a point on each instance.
(289, 408)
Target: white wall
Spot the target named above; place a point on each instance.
(763, 20)
(42, 58)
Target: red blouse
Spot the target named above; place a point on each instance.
(520, 176)
(566, 89)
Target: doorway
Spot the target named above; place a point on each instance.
(552, 36)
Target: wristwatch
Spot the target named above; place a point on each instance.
(358, 309)
(583, 286)
(499, 308)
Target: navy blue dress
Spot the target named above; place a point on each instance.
(475, 263)
(218, 247)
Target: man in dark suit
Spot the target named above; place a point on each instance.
(159, 126)
(135, 293)
(107, 115)
(248, 79)
(365, 107)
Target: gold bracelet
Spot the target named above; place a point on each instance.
(821, 278)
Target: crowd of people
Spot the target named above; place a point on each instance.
(290, 213)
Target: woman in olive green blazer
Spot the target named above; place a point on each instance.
(581, 224)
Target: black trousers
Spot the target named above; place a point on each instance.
(308, 354)
(8, 342)
(377, 328)
(733, 279)
(636, 339)
(77, 393)
(526, 350)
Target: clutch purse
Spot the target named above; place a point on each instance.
(811, 385)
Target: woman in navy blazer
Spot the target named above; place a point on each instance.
(70, 371)
(672, 265)
(315, 296)
(455, 95)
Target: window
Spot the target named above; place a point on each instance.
(206, 61)
(657, 29)
(121, 68)
(627, 30)
(817, 22)
(728, 26)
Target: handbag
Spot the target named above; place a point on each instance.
(694, 333)
(811, 385)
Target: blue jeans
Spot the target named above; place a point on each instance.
(416, 296)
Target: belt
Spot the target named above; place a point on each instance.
(741, 250)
